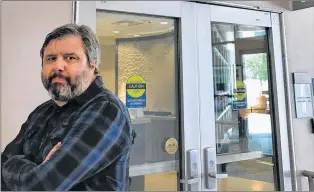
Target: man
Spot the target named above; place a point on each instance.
(81, 138)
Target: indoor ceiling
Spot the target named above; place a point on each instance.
(297, 5)
(121, 25)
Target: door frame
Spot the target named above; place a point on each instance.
(85, 13)
(225, 14)
(191, 42)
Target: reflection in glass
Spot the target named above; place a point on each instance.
(243, 119)
(145, 46)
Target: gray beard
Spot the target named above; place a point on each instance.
(66, 92)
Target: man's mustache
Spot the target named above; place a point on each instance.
(55, 75)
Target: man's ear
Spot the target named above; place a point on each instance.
(93, 66)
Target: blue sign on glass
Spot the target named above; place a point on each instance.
(240, 96)
(136, 92)
(239, 104)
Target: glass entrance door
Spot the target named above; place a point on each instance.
(242, 121)
(243, 118)
(153, 45)
(144, 48)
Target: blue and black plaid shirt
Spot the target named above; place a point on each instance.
(96, 135)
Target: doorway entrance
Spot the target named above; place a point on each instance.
(207, 116)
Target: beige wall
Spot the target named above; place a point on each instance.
(24, 27)
(300, 45)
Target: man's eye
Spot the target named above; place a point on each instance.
(70, 58)
(51, 58)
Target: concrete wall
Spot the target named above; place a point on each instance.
(24, 27)
(300, 46)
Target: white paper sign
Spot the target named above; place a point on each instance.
(303, 100)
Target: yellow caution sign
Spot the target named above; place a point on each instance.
(240, 90)
(136, 92)
(239, 96)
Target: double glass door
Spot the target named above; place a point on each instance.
(201, 83)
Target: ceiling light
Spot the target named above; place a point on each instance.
(303, 1)
(136, 35)
(164, 23)
(115, 31)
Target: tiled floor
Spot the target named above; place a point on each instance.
(168, 182)
(239, 184)
(251, 175)
(161, 182)
(257, 169)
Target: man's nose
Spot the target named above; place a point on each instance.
(60, 64)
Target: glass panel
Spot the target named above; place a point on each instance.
(243, 119)
(145, 47)
(222, 33)
(245, 31)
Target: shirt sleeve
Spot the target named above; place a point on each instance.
(14, 148)
(99, 135)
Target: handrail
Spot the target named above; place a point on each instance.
(224, 112)
(310, 177)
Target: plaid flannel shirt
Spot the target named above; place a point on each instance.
(96, 136)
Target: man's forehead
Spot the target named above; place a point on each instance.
(68, 44)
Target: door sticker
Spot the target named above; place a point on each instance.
(136, 92)
(171, 146)
(239, 96)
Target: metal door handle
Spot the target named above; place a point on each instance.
(218, 176)
(210, 168)
(190, 181)
(193, 175)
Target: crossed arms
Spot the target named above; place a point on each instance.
(97, 138)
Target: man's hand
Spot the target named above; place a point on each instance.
(53, 150)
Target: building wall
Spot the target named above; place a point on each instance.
(300, 46)
(24, 27)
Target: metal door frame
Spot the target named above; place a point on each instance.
(279, 78)
(84, 12)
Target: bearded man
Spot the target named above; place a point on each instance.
(81, 138)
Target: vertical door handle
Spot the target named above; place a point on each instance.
(210, 168)
(192, 167)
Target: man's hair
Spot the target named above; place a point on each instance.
(89, 39)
